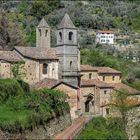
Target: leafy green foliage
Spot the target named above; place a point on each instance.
(24, 109)
(18, 70)
(101, 128)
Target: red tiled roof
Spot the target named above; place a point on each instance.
(37, 52)
(94, 82)
(105, 31)
(107, 70)
(9, 56)
(50, 83)
(123, 87)
(87, 68)
(46, 83)
(101, 70)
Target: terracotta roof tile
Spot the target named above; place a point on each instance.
(37, 53)
(50, 83)
(46, 83)
(9, 56)
(94, 82)
(105, 31)
(121, 86)
(87, 68)
(100, 70)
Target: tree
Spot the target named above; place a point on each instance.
(10, 35)
(18, 70)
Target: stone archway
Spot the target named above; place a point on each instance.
(89, 99)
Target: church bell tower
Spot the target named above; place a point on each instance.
(67, 51)
(43, 34)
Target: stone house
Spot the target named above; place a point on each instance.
(89, 88)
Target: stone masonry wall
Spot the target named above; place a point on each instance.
(47, 131)
(133, 121)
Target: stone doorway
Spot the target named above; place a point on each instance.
(89, 100)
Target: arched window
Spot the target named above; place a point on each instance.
(60, 34)
(40, 32)
(70, 35)
(46, 31)
(70, 65)
(45, 68)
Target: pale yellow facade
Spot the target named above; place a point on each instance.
(110, 78)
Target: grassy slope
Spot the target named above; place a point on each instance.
(101, 128)
(21, 110)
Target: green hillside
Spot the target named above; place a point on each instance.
(18, 21)
(22, 108)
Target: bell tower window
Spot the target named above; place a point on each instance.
(70, 35)
(45, 68)
(46, 31)
(40, 32)
(60, 34)
(70, 65)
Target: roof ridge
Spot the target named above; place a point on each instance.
(66, 22)
(43, 23)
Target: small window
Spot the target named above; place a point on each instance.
(53, 72)
(40, 32)
(113, 78)
(90, 75)
(70, 35)
(120, 77)
(105, 91)
(46, 32)
(60, 35)
(70, 65)
(107, 111)
(103, 78)
(45, 68)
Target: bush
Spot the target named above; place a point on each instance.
(20, 111)
(9, 87)
(101, 128)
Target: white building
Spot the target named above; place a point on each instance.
(105, 37)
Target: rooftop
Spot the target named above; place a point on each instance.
(50, 83)
(37, 52)
(123, 87)
(43, 23)
(95, 82)
(9, 56)
(105, 31)
(66, 23)
(100, 70)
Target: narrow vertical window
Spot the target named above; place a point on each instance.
(60, 35)
(90, 76)
(103, 78)
(40, 32)
(113, 78)
(46, 31)
(107, 111)
(70, 35)
(53, 72)
(45, 68)
(70, 65)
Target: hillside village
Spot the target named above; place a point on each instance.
(90, 88)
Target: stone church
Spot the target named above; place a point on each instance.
(89, 88)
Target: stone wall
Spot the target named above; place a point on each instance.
(47, 131)
(73, 101)
(133, 121)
